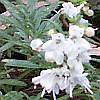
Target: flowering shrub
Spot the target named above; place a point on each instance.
(33, 40)
(74, 48)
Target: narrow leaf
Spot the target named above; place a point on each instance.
(19, 63)
(6, 46)
(12, 82)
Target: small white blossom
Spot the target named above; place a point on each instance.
(80, 6)
(36, 44)
(76, 67)
(55, 43)
(90, 12)
(82, 45)
(89, 32)
(58, 38)
(79, 79)
(70, 9)
(75, 31)
(85, 8)
(84, 57)
(49, 56)
(54, 48)
(52, 80)
(78, 50)
(54, 56)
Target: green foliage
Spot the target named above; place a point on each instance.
(19, 63)
(97, 95)
(26, 21)
(12, 82)
(29, 21)
(77, 2)
(13, 95)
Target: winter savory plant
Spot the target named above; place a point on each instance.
(69, 53)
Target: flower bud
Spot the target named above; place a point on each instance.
(51, 31)
(89, 32)
(85, 8)
(90, 12)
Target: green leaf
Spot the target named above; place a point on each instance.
(97, 60)
(78, 1)
(95, 84)
(88, 66)
(97, 95)
(65, 97)
(38, 97)
(6, 46)
(14, 82)
(10, 6)
(6, 34)
(6, 72)
(13, 95)
(10, 20)
(19, 63)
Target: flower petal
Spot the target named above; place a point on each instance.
(35, 44)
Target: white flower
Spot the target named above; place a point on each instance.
(76, 47)
(48, 46)
(54, 49)
(59, 57)
(89, 32)
(54, 56)
(55, 43)
(52, 80)
(46, 80)
(68, 46)
(82, 45)
(70, 10)
(90, 12)
(80, 6)
(85, 8)
(84, 57)
(58, 38)
(79, 79)
(76, 67)
(36, 44)
(75, 31)
(49, 56)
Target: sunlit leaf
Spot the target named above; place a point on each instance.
(19, 63)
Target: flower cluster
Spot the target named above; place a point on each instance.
(70, 53)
